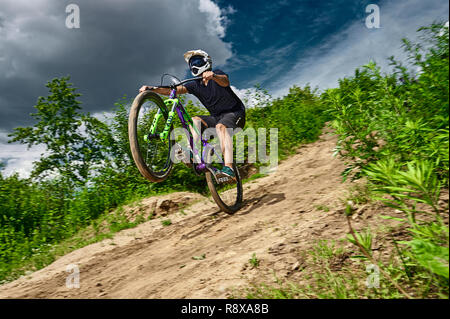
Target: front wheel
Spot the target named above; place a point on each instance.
(150, 152)
(228, 196)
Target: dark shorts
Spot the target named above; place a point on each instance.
(230, 120)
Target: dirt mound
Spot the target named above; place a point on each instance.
(162, 205)
(205, 253)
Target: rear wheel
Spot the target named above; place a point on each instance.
(150, 153)
(227, 195)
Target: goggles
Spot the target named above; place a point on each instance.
(197, 61)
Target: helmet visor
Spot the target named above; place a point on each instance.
(197, 61)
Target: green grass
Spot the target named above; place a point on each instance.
(253, 177)
(166, 222)
(203, 256)
(254, 261)
(323, 278)
(360, 193)
(325, 208)
(100, 229)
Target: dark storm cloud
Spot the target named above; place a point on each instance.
(119, 46)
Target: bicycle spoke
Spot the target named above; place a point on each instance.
(155, 152)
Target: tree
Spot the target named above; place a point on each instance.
(70, 137)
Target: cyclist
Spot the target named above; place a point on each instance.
(214, 92)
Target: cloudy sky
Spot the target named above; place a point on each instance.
(121, 45)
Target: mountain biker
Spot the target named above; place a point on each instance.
(226, 109)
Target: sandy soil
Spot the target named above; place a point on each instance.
(280, 219)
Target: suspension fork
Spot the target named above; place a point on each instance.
(165, 133)
(154, 123)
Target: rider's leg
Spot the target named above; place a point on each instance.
(226, 144)
(197, 123)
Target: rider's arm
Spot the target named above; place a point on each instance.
(221, 79)
(165, 91)
(181, 89)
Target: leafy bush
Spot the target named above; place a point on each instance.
(393, 129)
(299, 117)
(428, 251)
(402, 115)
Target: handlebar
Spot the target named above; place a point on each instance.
(179, 83)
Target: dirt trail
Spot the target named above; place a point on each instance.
(281, 218)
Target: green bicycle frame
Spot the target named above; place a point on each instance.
(173, 103)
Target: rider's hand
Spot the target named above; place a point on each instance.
(145, 88)
(207, 75)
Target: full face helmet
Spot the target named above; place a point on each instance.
(199, 61)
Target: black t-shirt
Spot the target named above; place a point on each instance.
(217, 99)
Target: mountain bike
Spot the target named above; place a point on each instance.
(153, 147)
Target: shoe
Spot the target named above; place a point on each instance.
(227, 171)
